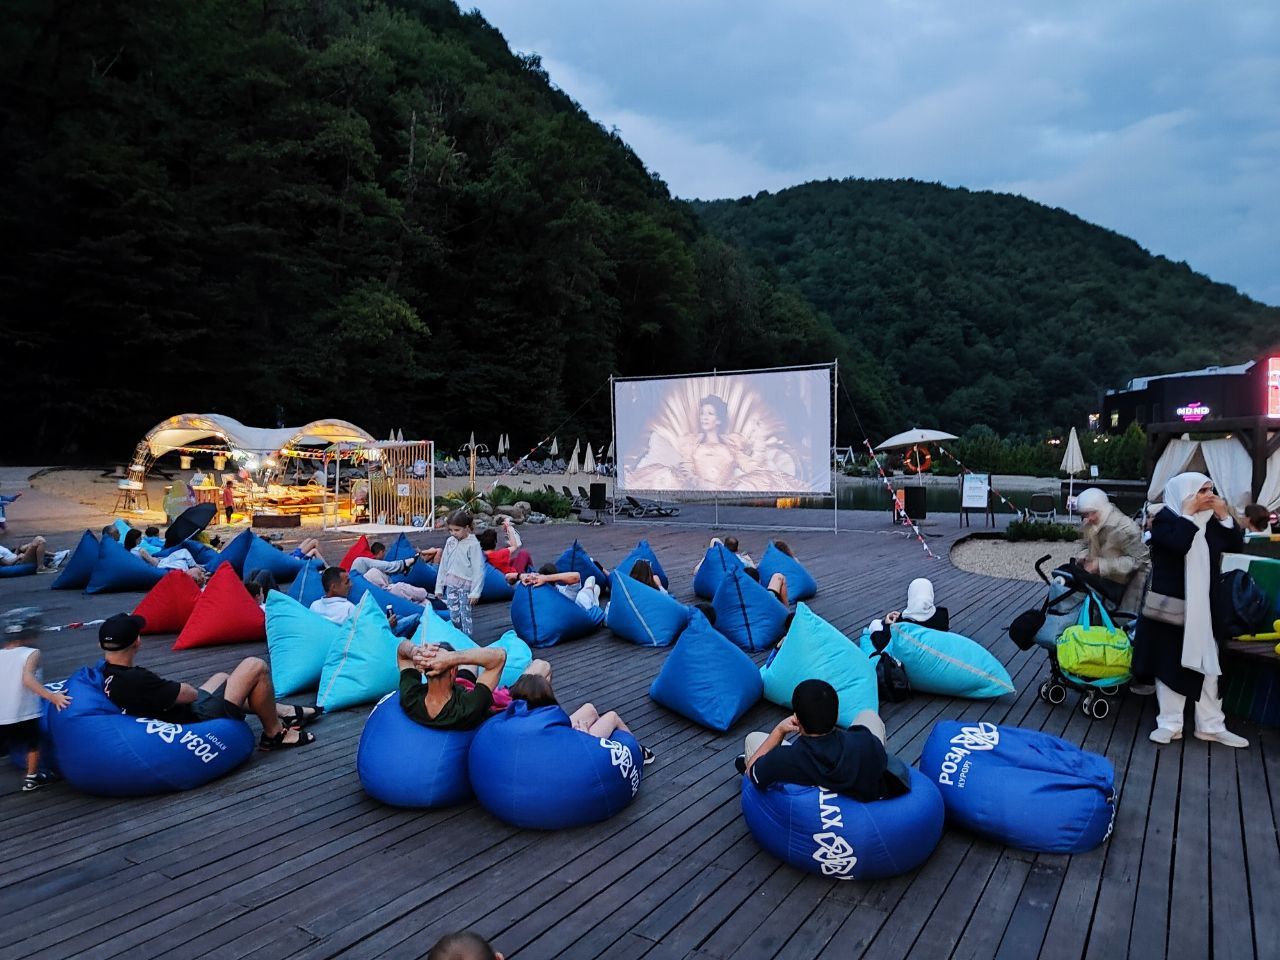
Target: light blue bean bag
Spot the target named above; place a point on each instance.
(123, 526)
(543, 616)
(362, 667)
(840, 838)
(718, 562)
(815, 650)
(944, 663)
(306, 587)
(299, 642)
(576, 558)
(237, 550)
(800, 583)
(118, 570)
(644, 614)
(530, 768)
(706, 678)
(519, 656)
(75, 573)
(495, 589)
(643, 551)
(1021, 788)
(404, 764)
(747, 613)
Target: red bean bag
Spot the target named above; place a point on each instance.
(225, 613)
(168, 605)
(358, 549)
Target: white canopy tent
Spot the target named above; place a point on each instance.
(1227, 464)
(191, 428)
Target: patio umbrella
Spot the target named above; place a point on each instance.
(608, 454)
(555, 446)
(589, 461)
(188, 523)
(572, 466)
(502, 444)
(399, 435)
(1072, 462)
(911, 438)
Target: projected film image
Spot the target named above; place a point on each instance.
(746, 432)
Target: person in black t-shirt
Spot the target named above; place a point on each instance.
(247, 688)
(441, 702)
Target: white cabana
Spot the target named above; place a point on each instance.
(187, 429)
(1227, 464)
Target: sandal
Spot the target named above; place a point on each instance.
(299, 718)
(278, 742)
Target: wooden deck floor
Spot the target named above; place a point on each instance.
(287, 858)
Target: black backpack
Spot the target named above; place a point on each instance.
(1243, 607)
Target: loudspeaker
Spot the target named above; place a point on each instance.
(598, 500)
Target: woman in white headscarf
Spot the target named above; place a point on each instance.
(1114, 549)
(920, 609)
(1189, 534)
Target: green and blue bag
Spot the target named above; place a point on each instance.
(1095, 650)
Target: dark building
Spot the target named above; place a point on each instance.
(1249, 389)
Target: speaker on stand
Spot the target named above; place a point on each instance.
(597, 502)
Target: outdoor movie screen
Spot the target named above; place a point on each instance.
(764, 432)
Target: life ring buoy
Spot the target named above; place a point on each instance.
(917, 460)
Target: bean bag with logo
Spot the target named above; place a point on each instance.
(1021, 788)
(643, 551)
(225, 613)
(944, 663)
(299, 642)
(840, 838)
(519, 656)
(800, 583)
(167, 606)
(263, 556)
(404, 764)
(118, 570)
(576, 558)
(543, 616)
(718, 562)
(361, 666)
(644, 614)
(358, 549)
(814, 649)
(105, 752)
(530, 768)
(706, 678)
(75, 573)
(237, 551)
(48, 758)
(306, 587)
(495, 589)
(747, 613)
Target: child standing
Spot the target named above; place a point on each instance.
(461, 576)
(228, 499)
(21, 690)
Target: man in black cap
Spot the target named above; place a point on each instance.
(141, 693)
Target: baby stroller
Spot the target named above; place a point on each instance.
(1072, 590)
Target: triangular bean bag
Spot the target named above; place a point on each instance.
(401, 549)
(706, 678)
(496, 588)
(643, 551)
(747, 613)
(718, 562)
(815, 650)
(944, 663)
(575, 558)
(75, 573)
(225, 613)
(168, 605)
(358, 549)
(237, 550)
(361, 666)
(118, 570)
(519, 656)
(306, 587)
(263, 556)
(422, 575)
(800, 584)
(543, 616)
(298, 641)
(644, 614)
(383, 598)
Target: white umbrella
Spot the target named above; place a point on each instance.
(500, 447)
(1072, 462)
(399, 436)
(914, 436)
(555, 446)
(608, 454)
(589, 461)
(391, 437)
(573, 460)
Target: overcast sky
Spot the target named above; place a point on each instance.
(1159, 119)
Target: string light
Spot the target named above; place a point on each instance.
(894, 497)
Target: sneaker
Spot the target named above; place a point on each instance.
(740, 763)
(649, 755)
(1161, 735)
(38, 780)
(1224, 737)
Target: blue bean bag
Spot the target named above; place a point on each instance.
(747, 613)
(75, 573)
(383, 598)
(543, 616)
(530, 768)
(944, 663)
(18, 570)
(800, 583)
(401, 549)
(105, 752)
(48, 757)
(122, 526)
(404, 764)
(718, 562)
(840, 838)
(237, 550)
(201, 553)
(299, 642)
(576, 558)
(263, 556)
(1021, 788)
(422, 575)
(706, 678)
(643, 551)
(644, 614)
(306, 587)
(814, 649)
(496, 588)
(519, 656)
(362, 667)
(118, 570)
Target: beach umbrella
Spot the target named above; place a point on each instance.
(188, 523)
(573, 460)
(913, 437)
(399, 436)
(502, 447)
(1072, 462)
(589, 461)
(555, 447)
(608, 454)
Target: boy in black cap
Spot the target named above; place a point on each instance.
(142, 693)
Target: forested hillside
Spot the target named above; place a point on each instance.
(289, 209)
(987, 308)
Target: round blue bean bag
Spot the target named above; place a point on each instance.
(814, 649)
(800, 583)
(18, 570)
(118, 570)
(75, 573)
(840, 838)
(1021, 788)
(944, 663)
(306, 587)
(718, 562)
(644, 614)
(543, 616)
(496, 588)
(747, 613)
(706, 678)
(576, 558)
(530, 768)
(643, 551)
(105, 752)
(404, 764)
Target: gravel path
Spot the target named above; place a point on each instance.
(1014, 561)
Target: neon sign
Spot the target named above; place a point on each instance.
(1193, 412)
(1273, 386)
